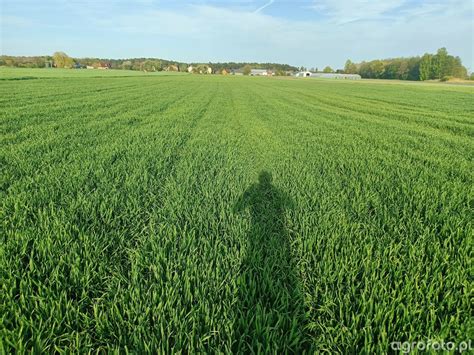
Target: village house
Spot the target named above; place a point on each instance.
(237, 72)
(200, 69)
(172, 67)
(259, 72)
(103, 66)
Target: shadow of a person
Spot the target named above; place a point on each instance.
(270, 310)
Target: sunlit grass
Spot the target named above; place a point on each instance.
(226, 214)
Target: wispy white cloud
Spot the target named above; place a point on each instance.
(344, 11)
(347, 11)
(215, 33)
(264, 6)
(341, 29)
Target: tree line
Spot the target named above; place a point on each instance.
(439, 66)
(275, 67)
(62, 60)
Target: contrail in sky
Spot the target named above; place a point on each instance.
(264, 6)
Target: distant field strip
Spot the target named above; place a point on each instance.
(194, 213)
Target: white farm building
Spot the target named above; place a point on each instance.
(307, 74)
(259, 72)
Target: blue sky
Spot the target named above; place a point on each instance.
(312, 33)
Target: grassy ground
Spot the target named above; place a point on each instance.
(29, 74)
(200, 213)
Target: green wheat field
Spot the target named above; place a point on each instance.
(185, 213)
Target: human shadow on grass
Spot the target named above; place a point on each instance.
(270, 308)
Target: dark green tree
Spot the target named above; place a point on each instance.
(247, 69)
(350, 67)
(426, 70)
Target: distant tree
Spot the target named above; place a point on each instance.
(350, 68)
(62, 60)
(127, 65)
(149, 65)
(441, 63)
(172, 67)
(364, 70)
(9, 62)
(247, 69)
(402, 72)
(425, 67)
(458, 70)
(377, 68)
(413, 68)
(136, 65)
(202, 69)
(328, 69)
(372, 70)
(392, 70)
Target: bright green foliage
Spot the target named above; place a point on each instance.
(350, 67)
(426, 69)
(247, 69)
(441, 65)
(62, 60)
(217, 214)
(429, 66)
